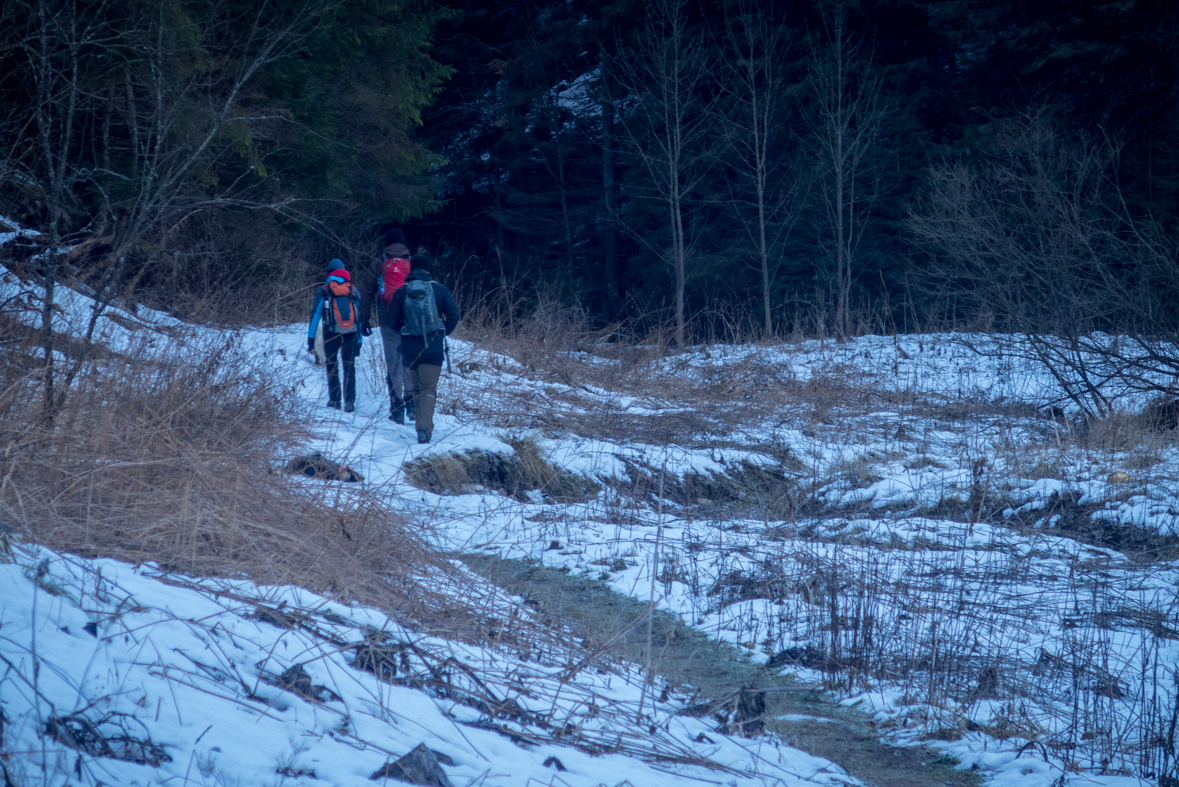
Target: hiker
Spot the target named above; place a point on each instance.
(337, 303)
(424, 313)
(384, 276)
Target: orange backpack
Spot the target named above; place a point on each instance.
(340, 305)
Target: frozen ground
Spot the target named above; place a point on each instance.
(145, 678)
(952, 525)
(890, 519)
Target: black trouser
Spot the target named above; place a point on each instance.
(348, 346)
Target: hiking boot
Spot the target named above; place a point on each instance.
(334, 405)
(423, 436)
(410, 411)
(349, 407)
(397, 417)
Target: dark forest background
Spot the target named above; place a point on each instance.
(727, 168)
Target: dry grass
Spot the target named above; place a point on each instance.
(842, 597)
(524, 471)
(556, 346)
(170, 454)
(614, 628)
(167, 453)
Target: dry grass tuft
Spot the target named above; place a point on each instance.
(518, 474)
(553, 344)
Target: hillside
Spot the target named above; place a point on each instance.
(615, 566)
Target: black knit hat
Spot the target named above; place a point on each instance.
(420, 262)
(394, 236)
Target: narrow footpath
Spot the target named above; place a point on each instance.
(805, 720)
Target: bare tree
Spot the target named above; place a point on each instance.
(61, 48)
(755, 64)
(609, 190)
(668, 123)
(183, 112)
(845, 120)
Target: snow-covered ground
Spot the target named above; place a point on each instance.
(928, 527)
(150, 678)
(1087, 632)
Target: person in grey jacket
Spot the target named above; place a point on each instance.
(377, 283)
(424, 316)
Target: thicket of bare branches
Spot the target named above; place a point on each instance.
(1033, 235)
(134, 122)
(846, 121)
(668, 128)
(767, 194)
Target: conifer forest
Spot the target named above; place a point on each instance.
(720, 168)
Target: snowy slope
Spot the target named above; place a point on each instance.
(150, 678)
(1026, 619)
(1088, 631)
(1018, 620)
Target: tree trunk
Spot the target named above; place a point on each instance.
(671, 69)
(613, 285)
(47, 331)
(848, 115)
(759, 142)
(759, 157)
(765, 272)
(679, 251)
(132, 125)
(840, 258)
(569, 250)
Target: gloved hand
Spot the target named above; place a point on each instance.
(311, 344)
(366, 329)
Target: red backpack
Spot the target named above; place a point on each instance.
(341, 307)
(393, 273)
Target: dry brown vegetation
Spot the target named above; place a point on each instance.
(861, 626)
(168, 453)
(556, 346)
(524, 470)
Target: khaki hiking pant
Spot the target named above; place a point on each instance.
(425, 394)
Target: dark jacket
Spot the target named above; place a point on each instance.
(415, 349)
(368, 281)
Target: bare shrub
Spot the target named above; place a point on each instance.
(228, 270)
(535, 329)
(1036, 236)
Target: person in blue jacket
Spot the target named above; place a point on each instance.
(337, 302)
(424, 312)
